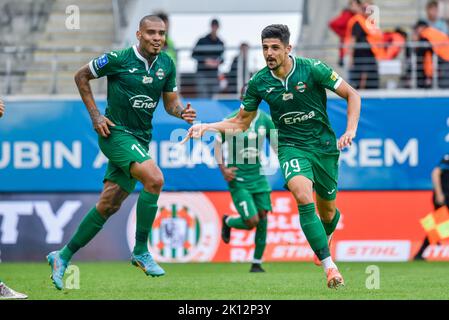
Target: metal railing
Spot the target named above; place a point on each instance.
(30, 71)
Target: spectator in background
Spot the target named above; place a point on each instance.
(362, 58)
(432, 17)
(433, 42)
(440, 183)
(239, 70)
(208, 52)
(340, 23)
(169, 46)
(2, 108)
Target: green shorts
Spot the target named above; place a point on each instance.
(122, 149)
(248, 204)
(321, 169)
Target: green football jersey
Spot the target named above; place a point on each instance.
(134, 88)
(298, 104)
(243, 152)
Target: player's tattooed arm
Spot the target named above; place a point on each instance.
(174, 107)
(100, 123)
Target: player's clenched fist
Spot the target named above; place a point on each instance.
(188, 114)
(2, 108)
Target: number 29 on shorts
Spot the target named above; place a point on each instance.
(290, 166)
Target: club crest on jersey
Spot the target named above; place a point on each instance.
(287, 96)
(146, 80)
(160, 74)
(301, 87)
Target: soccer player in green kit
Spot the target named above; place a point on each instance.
(294, 88)
(137, 77)
(247, 183)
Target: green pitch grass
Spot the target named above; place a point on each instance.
(120, 280)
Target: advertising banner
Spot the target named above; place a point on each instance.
(374, 226)
(50, 146)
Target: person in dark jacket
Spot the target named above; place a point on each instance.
(208, 52)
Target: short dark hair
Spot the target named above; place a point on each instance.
(151, 17)
(214, 22)
(277, 31)
(420, 23)
(432, 3)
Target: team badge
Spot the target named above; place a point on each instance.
(146, 80)
(160, 74)
(301, 87)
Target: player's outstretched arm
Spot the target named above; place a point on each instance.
(354, 104)
(173, 106)
(239, 123)
(2, 108)
(99, 122)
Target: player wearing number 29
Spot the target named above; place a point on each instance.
(137, 77)
(294, 88)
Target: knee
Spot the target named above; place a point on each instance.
(303, 198)
(327, 214)
(253, 222)
(154, 184)
(107, 209)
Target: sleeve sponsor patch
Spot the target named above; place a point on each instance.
(102, 61)
(334, 76)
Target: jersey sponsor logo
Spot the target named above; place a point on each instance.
(301, 87)
(147, 80)
(287, 96)
(296, 117)
(270, 89)
(102, 61)
(113, 54)
(142, 102)
(160, 74)
(330, 192)
(132, 70)
(185, 229)
(249, 153)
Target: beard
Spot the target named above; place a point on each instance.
(273, 67)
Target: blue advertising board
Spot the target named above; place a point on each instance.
(50, 146)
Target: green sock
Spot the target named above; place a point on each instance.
(237, 223)
(88, 228)
(146, 212)
(313, 230)
(260, 239)
(329, 227)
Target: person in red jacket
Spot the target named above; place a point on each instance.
(339, 24)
